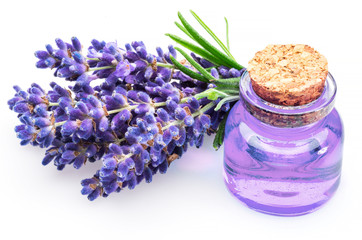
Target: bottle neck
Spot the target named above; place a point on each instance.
(287, 116)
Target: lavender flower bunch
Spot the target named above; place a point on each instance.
(134, 111)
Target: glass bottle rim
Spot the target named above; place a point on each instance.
(287, 116)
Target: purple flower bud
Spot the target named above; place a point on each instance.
(96, 44)
(205, 64)
(142, 125)
(150, 118)
(111, 187)
(140, 65)
(49, 48)
(123, 69)
(76, 44)
(109, 58)
(174, 130)
(159, 52)
(172, 51)
(50, 62)
(150, 58)
(42, 55)
(142, 53)
(180, 113)
(68, 155)
(167, 136)
(88, 181)
(21, 108)
(110, 162)
(103, 124)
(79, 161)
(132, 56)
(225, 107)
(139, 166)
(128, 47)
(163, 167)
(205, 121)
(19, 128)
(142, 109)
(124, 115)
(26, 119)
(214, 73)
(148, 73)
(115, 149)
(24, 135)
(47, 159)
(82, 107)
(86, 190)
(194, 103)
(104, 172)
(163, 114)
(61, 45)
(159, 81)
(136, 44)
(91, 150)
(132, 181)
(189, 121)
(122, 169)
(64, 72)
(61, 91)
(129, 163)
(224, 72)
(69, 127)
(41, 64)
(174, 97)
(94, 101)
(181, 141)
(121, 99)
(45, 131)
(171, 105)
(165, 74)
(234, 73)
(148, 174)
(77, 68)
(65, 102)
(78, 57)
(143, 97)
(95, 194)
(145, 156)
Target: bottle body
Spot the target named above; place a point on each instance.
(282, 171)
(279, 170)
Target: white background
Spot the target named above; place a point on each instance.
(190, 201)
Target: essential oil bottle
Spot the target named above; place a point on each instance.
(284, 138)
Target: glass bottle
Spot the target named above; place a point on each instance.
(283, 160)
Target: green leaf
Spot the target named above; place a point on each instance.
(226, 100)
(188, 71)
(208, 46)
(220, 133)
(233, 82)
(202, 70)
(212, 34)
(184, 30)
(227, 33)
(197, 50)
(228, 90)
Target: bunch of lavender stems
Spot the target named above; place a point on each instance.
(134, 111)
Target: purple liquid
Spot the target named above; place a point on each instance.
(282, 171)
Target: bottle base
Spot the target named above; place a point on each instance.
(287, 210)
(280, 210)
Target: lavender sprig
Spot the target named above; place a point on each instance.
(137, 120)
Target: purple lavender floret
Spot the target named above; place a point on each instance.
(128, 108)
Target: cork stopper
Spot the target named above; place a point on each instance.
(289, 75)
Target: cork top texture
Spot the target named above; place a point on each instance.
(289, 75)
